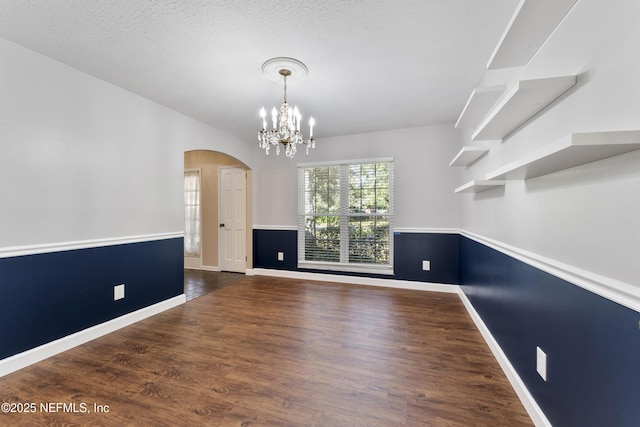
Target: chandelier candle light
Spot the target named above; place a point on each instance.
(286, 124)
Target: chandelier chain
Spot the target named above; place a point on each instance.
(285, 89)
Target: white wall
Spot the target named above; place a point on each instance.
(423, 181)
(586, 217)
(81, 159)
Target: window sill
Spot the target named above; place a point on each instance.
(351, 268)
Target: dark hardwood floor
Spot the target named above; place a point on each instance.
(201, 282)
(279, 352)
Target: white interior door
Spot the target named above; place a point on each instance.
(232, 234)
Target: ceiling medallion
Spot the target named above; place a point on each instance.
(286, 121)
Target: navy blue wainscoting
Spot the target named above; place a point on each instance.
(410, 249)
(413, 248)
(267, 244)
(48, 296)
(592, 344)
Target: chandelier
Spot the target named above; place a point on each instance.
(286, 122)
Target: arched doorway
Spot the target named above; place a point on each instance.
(209, 164)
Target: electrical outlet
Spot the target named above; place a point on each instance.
(118, 292)
(541, 363)
(280, 256)
(426, 265)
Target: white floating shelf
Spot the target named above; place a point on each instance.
(469, 154)
(478, 104)
(523, 101)
(531, 24)
(575, 150)
(479, 185)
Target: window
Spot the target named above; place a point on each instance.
(192, 213)
(345, 216)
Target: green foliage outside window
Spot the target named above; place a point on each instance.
(347, 209)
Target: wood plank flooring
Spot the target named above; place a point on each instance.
(279, 352)
(201, 282)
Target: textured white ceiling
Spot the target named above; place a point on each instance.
(373, 64)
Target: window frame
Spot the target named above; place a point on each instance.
(198, 173)
(344, 215)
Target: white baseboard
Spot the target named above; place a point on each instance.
(29, 357)
(202, 267)
(356, 280)
(529, 403)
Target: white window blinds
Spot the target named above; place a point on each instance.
(345, 216)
